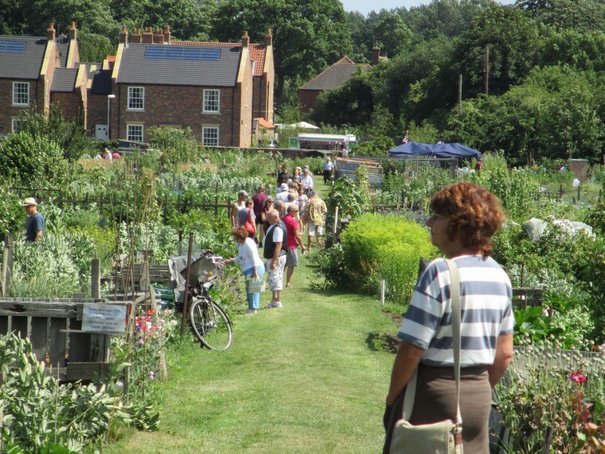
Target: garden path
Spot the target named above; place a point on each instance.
(306, 378)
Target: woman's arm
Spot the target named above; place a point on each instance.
(406, 362)
(504, 356)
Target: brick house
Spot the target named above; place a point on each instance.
(331, 78)
(207, 87)
(38, 71)
(216, 89)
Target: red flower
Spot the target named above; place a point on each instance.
(577, 377)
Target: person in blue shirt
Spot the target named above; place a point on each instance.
(34, 228)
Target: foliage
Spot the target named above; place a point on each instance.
(38, 413)
(380, 247)
(550, 389)
(30, 159)
(311, 34)
(68, 134)
(58, 266)
(177, 145)
(351, 197)
(93, 47)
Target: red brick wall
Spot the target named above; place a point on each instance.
(70, 105)
(307, 99)
(8, 111)
(96, 112)
(180, 106)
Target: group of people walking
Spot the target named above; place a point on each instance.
(276, 223)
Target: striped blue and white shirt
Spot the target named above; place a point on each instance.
(486, 306)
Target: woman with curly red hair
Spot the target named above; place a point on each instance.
(464, 218)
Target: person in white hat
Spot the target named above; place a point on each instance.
(34, 227)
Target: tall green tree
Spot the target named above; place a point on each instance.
(513, 42)
(584, 15)
(308, 35)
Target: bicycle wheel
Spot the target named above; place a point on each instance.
(210, 324)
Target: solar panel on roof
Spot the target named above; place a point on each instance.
(15, 47)
(182, 53)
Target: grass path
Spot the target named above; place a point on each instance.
(304, 378)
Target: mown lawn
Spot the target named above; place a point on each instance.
(306, 378)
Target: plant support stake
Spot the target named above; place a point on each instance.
(383, 285)
(186, 299)
(335, 219)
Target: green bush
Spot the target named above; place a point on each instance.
(31, 159)
(389, 247)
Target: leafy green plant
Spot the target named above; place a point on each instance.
(27, 157)
(388, 247)
(41, 416)
(549, 389)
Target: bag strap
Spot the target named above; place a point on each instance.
(410, 391)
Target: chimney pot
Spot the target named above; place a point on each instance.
(245, 39)
(73, 31)
(123, 34)
(375, 55)
(167, 34)
(148, 36)
(50, 32)
(269, 37)
(158, 36)
(136, 36)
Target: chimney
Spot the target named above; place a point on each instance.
(245, 39)
(148, 36)
(269, 37)
(50, 32)
(167, 34)
(73, 31)
(123, 34)
(375, 54)
(136, 37)
(158, 36)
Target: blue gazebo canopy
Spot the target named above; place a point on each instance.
(440, 150)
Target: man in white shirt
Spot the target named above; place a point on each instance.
(307, 180)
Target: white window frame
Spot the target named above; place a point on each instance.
(136, 102)
(129, 132)
(15, 124)
(218, 136)
(209, 100)
(17, 93)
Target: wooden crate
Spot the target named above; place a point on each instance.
(54, 328)
(125, 277)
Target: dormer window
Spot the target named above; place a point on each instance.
(20, 93)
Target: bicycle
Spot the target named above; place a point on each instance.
(208, 320)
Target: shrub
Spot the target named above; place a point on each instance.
(385, 247)
(34, 160)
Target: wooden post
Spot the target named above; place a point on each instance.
(459, 94)
(335, 219)
(486, 72)
(7, 263)
(186, 299)
(95, 278)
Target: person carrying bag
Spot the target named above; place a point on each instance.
(454, 349)
(443, 437)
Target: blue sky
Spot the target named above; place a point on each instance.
(365, 6)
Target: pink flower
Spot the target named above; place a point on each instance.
(151, 375)
(577, 377)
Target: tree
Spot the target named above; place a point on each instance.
(389, 32)
(308, 35)
(513, 43)
(90, 15)
(554, 114)
(585, 15)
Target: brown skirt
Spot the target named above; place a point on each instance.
(436, 400)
